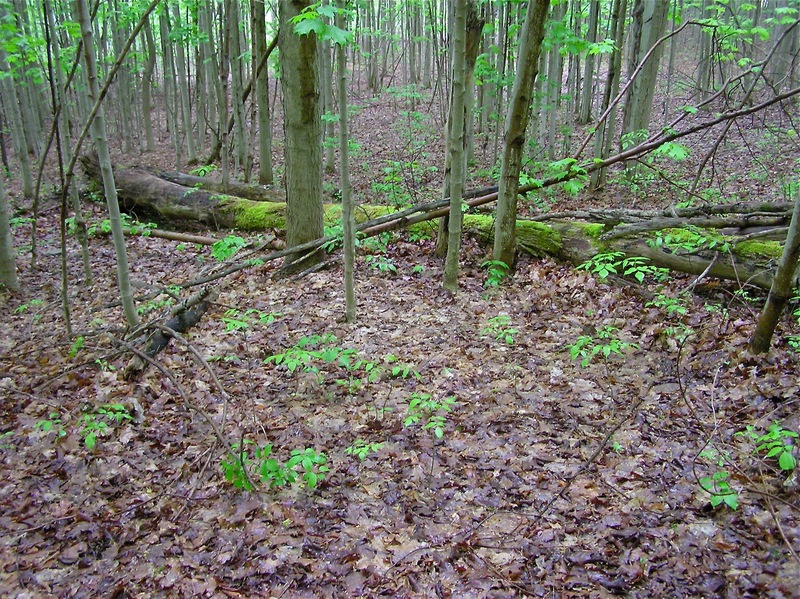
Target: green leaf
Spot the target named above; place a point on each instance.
(787, 461)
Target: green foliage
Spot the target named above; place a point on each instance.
(717, 484)
(103, 227)
(96, 424)
(77, 345)
(496, 272)
(203, 170)
(676, 152)
(239, 468)
(227, 247)
(608, 263)
(777, 442)
(381, 263)
(422, 407)
(18, 221)
(688, 239)
(361, 449)
(401, 370)
(236, 320)
(670, 305)
(52, 423)
(31, 304)
(604, 343)
(308, 351)
(499, 328)
(316, 19)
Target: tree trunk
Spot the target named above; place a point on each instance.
(505, 244)
(8, 267)
(265, 174)
(651, 20)
(781, 289)
(456, 146)
(109, 186)
(302, 131)
(348, 220)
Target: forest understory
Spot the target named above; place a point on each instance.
(547, 476)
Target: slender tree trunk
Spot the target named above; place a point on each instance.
(8, 267)
(781, 289)
(587, 94)
(455, 141)
(348, 220)
(183, 87)
(147, 89)
(505, 243)
(109, 188)
(265, 174)
(12, 110)
(237, 89)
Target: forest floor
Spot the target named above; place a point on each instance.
(551, 477)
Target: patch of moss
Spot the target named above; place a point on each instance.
(593, 230)
(537, 239)
(759, 249)
(254, 216)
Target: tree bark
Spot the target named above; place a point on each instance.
(781, 289)
(8, 267)
(456, 146)
(107, 175)
(302, 132)
(516, 123)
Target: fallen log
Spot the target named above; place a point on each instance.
(612, 230)
(248, 191)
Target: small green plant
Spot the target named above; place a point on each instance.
(496, 272)
(77, 345)
(400, 370)
(604, 343)
(670, 305)
(775, 443)
(203, 170)
(614, 263)
(360, 449)
(18, 221)
(380, 263)
(227, 247)
(52, 423)
(310, 349)
(31, 304)
(717, 484)
(95, 424)
(688, 239)
(236, 320)
(422, 406)
(499, 328)
(236, 467)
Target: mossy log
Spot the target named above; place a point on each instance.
(747, 261)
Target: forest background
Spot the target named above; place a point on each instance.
(181, 417)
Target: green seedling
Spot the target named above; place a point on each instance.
(227, 247)
(604, 343)
(717, 485)
(52, 423)
(777, 443)
(360, 449)
(422, 406)
(499, 328)
(496, 272)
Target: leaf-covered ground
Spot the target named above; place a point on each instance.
(549, 479)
